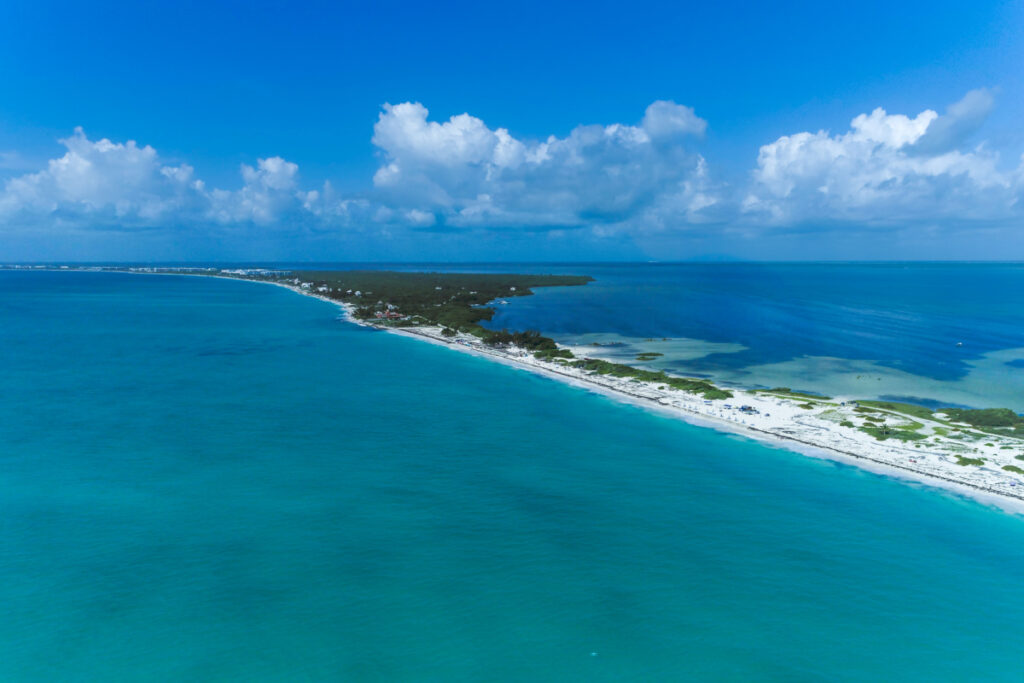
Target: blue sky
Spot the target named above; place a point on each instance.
(590, 131)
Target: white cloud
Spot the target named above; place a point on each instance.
(403, 130)
(888, 168)
(103, 183)
(597, 175)
(268, 195)
(272, 174)
(666, 119)
(123, 180)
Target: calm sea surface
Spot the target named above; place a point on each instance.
(218, 480)
(929, 333)
(936, 334)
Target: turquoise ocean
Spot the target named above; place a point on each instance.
(217, 480)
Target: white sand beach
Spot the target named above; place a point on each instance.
(811, 427)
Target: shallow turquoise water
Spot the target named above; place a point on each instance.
(868, 330)
(218, 480)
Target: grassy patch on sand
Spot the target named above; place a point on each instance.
(904, 408)
(787, 392)
(884, 432)
(693, 386)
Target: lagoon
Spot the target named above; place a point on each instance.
(217, 479)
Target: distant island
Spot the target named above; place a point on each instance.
(970, 450)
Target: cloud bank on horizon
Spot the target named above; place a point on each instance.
(886, 171)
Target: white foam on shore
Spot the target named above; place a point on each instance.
(1004, 502)
(870, 456)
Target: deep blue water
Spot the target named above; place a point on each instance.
(217, 480)
(819, 327)
(864, 330)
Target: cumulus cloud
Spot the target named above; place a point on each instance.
(453, 174)
(461, 174)
(666, 119)
(269, 194)
(124, 181)
(467, 174)
(103, 183)
(888, 168)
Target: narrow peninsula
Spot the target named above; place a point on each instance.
(975, 451)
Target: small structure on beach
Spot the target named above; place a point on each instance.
(389, 314)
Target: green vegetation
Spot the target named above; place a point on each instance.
(1000, 421)
(455, 300)
(883, 432)
(904, 408)
(986, 417)
(458, 302)
(847, 423)
(551, 354)
(531, 340)
(961, 460)
(1013, 468)
(694, 386)
(786, 391)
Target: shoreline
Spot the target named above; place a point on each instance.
(797, 432)
(1006, 501)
